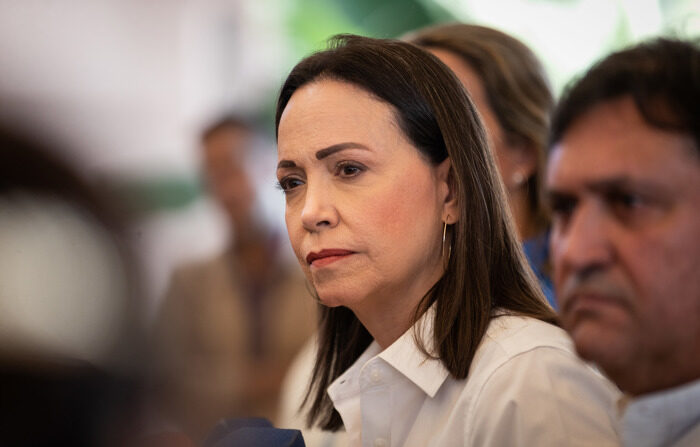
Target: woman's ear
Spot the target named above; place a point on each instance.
(448, 192)
(523, 164)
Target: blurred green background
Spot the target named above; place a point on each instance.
(567, 35)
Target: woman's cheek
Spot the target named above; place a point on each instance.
(387, 210)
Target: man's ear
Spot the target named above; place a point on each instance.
(448, 192)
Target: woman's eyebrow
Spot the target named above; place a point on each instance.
(330, 150)
(325, 152)
(286, 164)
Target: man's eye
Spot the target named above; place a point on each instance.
(625, 203)
(562, 206)
(627, 200)
(629, 207)
(635, 208)
(287, 184)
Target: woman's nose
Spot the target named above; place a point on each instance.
(319, 209)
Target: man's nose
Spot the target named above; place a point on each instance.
(585, 241)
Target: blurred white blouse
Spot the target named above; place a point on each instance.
(526, 387)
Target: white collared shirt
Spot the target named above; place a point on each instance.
(665, 418)
(526, 387)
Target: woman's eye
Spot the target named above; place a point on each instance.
(345, 169)
(287, 184)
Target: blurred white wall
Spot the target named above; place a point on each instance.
(101, 75)
(128, 84)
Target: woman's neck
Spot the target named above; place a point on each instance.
(389, 316)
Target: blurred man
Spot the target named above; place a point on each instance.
(624, 180)
(230, 325)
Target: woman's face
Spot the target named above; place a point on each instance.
(364, 208)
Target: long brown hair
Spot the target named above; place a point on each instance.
(487, 269)
(517, 91)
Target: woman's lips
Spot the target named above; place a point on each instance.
(325, 257)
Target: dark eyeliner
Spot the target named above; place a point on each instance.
(349, 164)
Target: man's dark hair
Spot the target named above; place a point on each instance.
(662, 76)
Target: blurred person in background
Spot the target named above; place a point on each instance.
(229, 326)
(70, 325)
(510, 89)
(624, 181)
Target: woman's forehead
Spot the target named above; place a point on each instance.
(329, 112)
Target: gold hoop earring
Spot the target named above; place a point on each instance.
(449, 249)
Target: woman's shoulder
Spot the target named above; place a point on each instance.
(515, 334)
(524, 347)
(527, 374)
(517, 340)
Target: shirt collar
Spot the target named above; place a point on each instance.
(405, 356)
(661, 416)
(344, 384)
(427, 372)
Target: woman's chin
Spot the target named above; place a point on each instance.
(339, 293)
(331, 298)
(330, 301)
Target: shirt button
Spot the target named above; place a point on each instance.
(376, 376)
(380, 442)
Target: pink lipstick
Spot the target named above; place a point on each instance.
(325, 257)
